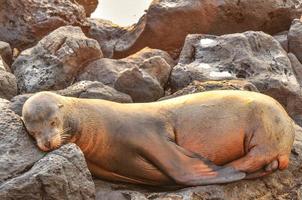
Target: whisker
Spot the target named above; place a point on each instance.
(65, 130)
(64, 136)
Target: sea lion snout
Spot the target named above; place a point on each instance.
(48, 139)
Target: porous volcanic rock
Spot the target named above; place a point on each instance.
(295, 39)
(24, 22)
(167, 23)
(61, 174)
(106, 33)
(8, 84)
(142, 75)
(55, 61)
(89, 5)
(82, 89)
(197, 86)
(17, 151)
(254, 56)
(280, 185)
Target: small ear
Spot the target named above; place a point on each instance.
(60, 105)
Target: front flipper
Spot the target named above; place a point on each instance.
(185, 167)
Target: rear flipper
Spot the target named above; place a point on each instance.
(218, 176)
(268, 169)
(185, 167)
(257, 164)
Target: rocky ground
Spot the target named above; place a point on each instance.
(178, 47)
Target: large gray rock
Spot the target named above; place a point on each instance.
(167, 23)
(8, 84)
(254, 56)
(143, 75)
(82, 89)
(17, 151)
(61, 174)
(295, 39)
(55, 61)
(280, 185)
(24, 22)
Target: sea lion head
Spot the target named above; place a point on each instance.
(43, 117)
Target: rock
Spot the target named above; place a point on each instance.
(295, 39)
(61, 174)
(55, 61)
(282, 39)
(89, 6)
(158, 68)
(24, 22)
(17, 103)
(95, 90)
(143, 75)
(8, 85)
(297, 67)
(139, 85)
(106, 33)
(280, 185)
(147, 53)
(254, 56)
(82, 89)
(7, 54)
(197, 86)
(17, 151)
(167, 23)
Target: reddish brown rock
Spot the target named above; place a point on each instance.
(24, 22)
(167, 22)
(89, 6)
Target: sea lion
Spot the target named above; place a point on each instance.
(198, 139)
